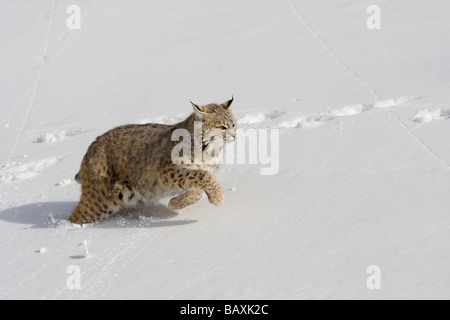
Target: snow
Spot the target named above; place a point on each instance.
(364, 165)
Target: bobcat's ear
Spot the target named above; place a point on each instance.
(227, 105)
(199, 113)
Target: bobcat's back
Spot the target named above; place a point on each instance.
(124, 152)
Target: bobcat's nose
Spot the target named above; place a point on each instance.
(233, 135)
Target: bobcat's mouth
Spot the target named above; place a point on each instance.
(230, 138)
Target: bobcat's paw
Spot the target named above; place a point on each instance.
(185, 200)
(176, 204)
(217, 196)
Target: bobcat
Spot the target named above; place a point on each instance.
(132, 164)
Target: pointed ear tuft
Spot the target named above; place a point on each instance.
(227, 105)
(198, 110)
(196, 107)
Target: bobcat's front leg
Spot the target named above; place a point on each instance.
(191, 180)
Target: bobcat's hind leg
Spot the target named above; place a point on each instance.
(89, 210)
(94, 205)
(186, 199)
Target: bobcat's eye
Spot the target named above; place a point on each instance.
(223, 128)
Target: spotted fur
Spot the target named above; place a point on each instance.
(130, 165)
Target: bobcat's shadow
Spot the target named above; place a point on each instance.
(53, 214)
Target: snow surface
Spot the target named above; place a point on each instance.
(364, 126)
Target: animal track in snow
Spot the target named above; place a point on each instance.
(65, 182)
(382, 104)
(306, 122)
(257, 117)
(351, 110)
(20, 171)
(311, 121)
(394, 102)
(428, 115)
(55, 136)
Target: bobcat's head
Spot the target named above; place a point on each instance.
(216, 118)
